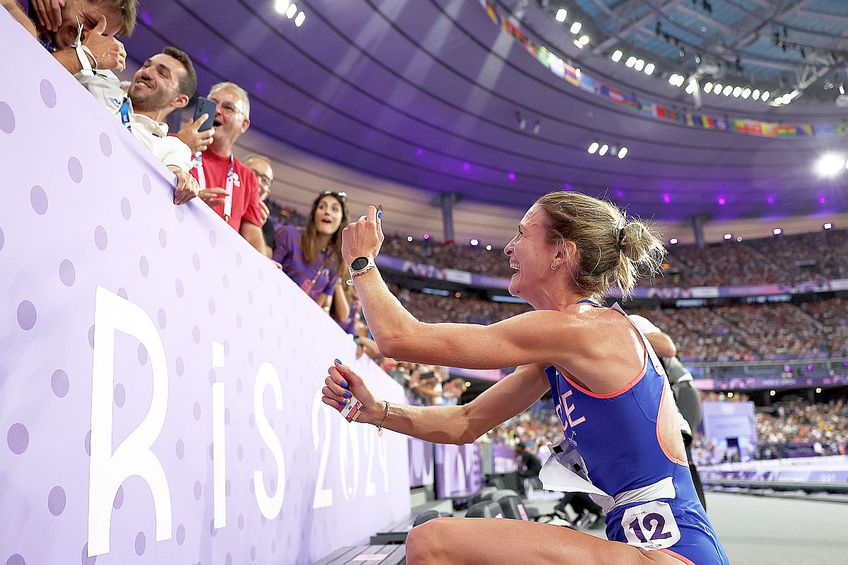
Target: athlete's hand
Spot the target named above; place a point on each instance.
(340, 383)
(363, 238)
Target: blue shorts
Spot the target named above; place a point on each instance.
(677, 526)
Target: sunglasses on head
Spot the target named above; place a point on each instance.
(340, 195)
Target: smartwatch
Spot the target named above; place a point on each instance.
(360, 266)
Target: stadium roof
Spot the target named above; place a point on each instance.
(432, 94)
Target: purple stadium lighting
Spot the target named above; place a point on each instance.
(511, 176)
(667, 198)
(822, 199)
(770, 199)
(466, 166)
(419, 152)
(426, 236)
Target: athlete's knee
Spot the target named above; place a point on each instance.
(429, 542)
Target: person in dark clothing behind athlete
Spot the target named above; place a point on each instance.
(686, 396)
(622, 440)
(529, 466)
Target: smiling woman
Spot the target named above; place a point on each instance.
(312, 256)
(612, 396)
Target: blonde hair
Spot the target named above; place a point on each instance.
(611, 250)
(242, 93)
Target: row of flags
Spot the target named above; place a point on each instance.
(576, 78)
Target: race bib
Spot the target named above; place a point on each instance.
(650, 526)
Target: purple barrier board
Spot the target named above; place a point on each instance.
(458, 469)
(503, 459)
(731, 427)
(760, 383)
(159, 379)
(421, 463)
(828, 470)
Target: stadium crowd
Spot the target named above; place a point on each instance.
(774, 260)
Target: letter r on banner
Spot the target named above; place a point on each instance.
(109, 469)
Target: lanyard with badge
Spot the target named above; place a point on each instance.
(231, 180)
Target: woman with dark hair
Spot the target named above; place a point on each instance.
(622, 442)
(311, 256)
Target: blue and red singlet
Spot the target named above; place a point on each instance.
(653, 504)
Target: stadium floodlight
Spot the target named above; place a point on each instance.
(829, 165)
(737, 92)
(673, 241)
(639, 65)
(280, 6)
(765, 96)
(727, 90)
(617, 55)
(474, 242)
(708, 87)
(298, 21)
(717, 88)
(728, 236)
(622, 152)
(561, 14)
(772, 393)
(739, 238)
(746, 93)
(776, 231)
(488, 247)
(818, 390)
(291, 10)
(756, 94)
(603, 150)
(827, 226)
(631, 60)
(593, 147)
(649, 68)
(409, 238)
(576, 27)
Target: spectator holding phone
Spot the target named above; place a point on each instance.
(311, 256)
(261, 167)
(227, 185)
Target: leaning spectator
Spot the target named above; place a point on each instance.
(312, 256)
(261, 167)
(80, 33)
(226, 185)
(166, 82)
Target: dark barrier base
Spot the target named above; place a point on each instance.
(384, 554)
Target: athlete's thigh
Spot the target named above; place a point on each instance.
(461, 541)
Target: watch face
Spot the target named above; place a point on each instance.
(359, 263)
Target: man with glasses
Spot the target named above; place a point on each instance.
(261, 167)
(228, 186)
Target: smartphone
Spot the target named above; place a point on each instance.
(205, 106)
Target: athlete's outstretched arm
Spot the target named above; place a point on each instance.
(533, 337)
(442, 424)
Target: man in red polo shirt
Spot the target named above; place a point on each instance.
(227, 185)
